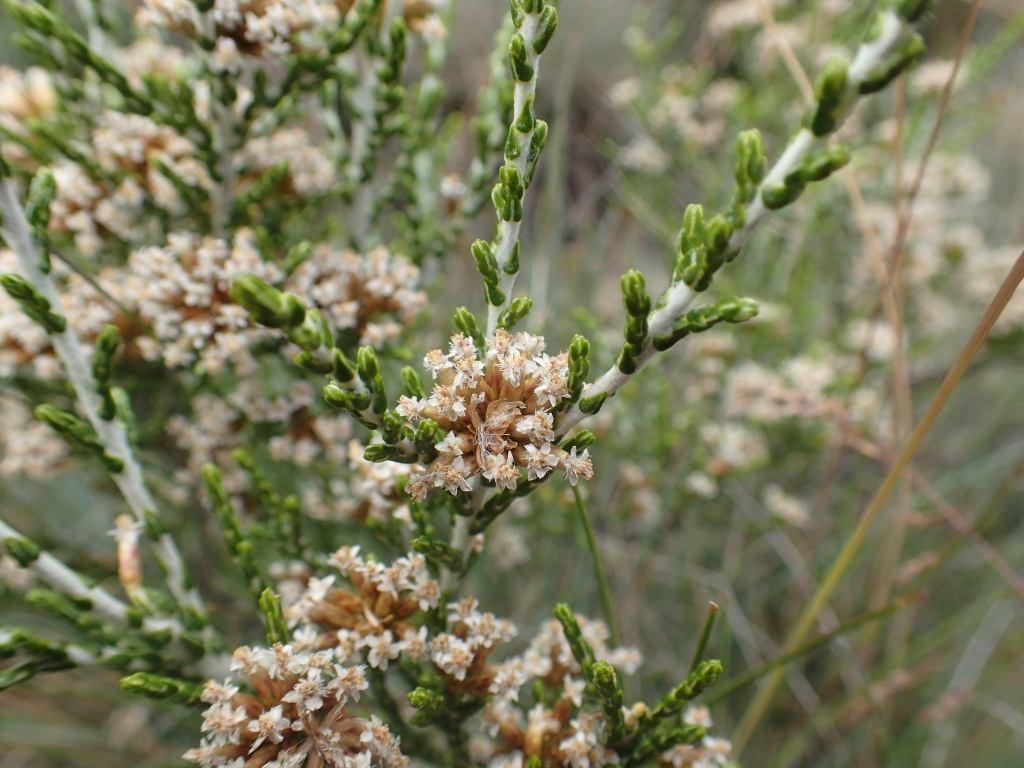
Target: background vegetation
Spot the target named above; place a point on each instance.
(737, 467)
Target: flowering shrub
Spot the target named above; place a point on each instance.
(231, 230)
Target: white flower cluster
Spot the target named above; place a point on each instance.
(562, 734)
(27, 445)
(22, 341)
(367, 492)
(374, 295)
(24, 96)
(311, 171)
(732, 447)
(132, 148)
(496, 407)
(153, 56)
(250, 26)
(275, 27)
(800, 387)
(296, 715)
(374, 613)
(374, 619)
(214, 428)
(549, 654)
(709, 752)
(181, 291)
(473, 636)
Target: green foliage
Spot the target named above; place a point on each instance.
(33, 303)
(232, 245)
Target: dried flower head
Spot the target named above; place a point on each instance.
(496, 406)
(296, 715)
(374, 614)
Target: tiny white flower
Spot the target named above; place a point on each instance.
(577, 466)
(269, 725)
(381, 648)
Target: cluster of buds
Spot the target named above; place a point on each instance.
(297, 715)
(497, 408)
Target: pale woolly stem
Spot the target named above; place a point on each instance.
(63, 579)
(224, 140)
(487, 103)
(508, 231)
(98, 40)
(112, 434)
(362, 98)
(678, 298)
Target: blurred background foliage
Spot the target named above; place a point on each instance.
(736, 467)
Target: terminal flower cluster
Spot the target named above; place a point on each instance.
(497, 408)
(375, 618)
(297, 714)
(374, 614)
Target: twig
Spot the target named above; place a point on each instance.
(678, 298)
(112, 434)
(65, 580)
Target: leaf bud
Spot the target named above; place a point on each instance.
(545, 29)
(830, 90)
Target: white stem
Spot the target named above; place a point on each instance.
(487, 104)
(97, 37)
(111, 433)
(222, 192)
(57, 575)
(679, 297)
(508, 231)
(363, 101)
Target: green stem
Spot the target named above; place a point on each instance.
(602, 578)
(705, 633)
